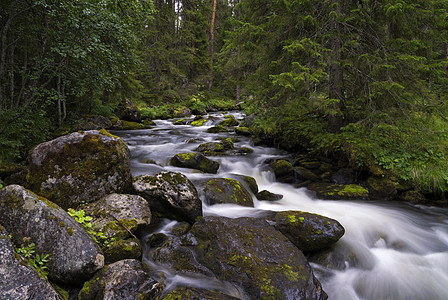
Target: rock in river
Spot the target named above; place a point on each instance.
(80, 167)
(254, 255)
(171, 194)
(74, 256)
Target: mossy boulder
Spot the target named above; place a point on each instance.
(80, 167)
(182, 112)
(124, 279)
(128, 111)
(243, 131)
(210, 147)
(116, 215)
(227, 143)
(217, 129)
(199, 122)
(74, 254)
(129, 125)
(268, 196)
(309, 232)
(229, 121)
(187, 293)
(170, 194)
(248, 181)
(325, 190)
(17, 279)
(381, 188)
(283, 170)
(227, 190)
(123, 249)
(195, 161)
(255, 256)
(181, 122)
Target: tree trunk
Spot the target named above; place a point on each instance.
(336, 75)
(212, 45)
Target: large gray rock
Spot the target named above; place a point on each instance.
(115, 214)
(80, 167)
(171, 194)
(309, 232)
(74, 256)
(254, 255)
(227, 190)
(121, 280)
(128, 111)
(18, 281)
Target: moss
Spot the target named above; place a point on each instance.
(199, 122)
(62, 224)
(301, 219)
(107, 133)
(70, 231)
(186, 156)
(292, 218)
(353, 190)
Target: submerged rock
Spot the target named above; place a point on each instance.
(121, 280)
(195, 161)
(309, 232)
(252, 254)
(74, 255)
(17, 281)
(170, 194)
(227, 190)
(80, 167)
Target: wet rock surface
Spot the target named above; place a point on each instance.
(227, 190)
(74, 254)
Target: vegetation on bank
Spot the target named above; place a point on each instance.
(360, 81)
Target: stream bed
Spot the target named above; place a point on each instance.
(390, 250)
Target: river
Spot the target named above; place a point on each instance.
(390, 250)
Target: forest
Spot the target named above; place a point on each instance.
(363, 81)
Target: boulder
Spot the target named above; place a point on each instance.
(303, 174)
(229, 121)
(227, 190)
(414, 197)
(309, 232)
(248, 181)
(255, 256)
(182, 112)
(268, 196)
(80, 167)
(128, 111)
(330, 191)
(125, 279)
(123, 249)
(116, 214)
(74, 255)
(243, 131)
(195, 161)
(198, 122)
(94, 123)
(380, 188)
(171, 195)
(210, 147)
(18, 281)
(283, 170)
(184, 293)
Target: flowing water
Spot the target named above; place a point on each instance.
(389, 250)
